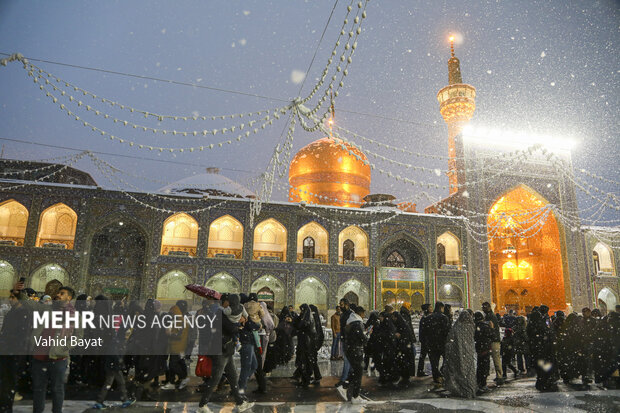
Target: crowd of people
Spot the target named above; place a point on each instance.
(459, 346)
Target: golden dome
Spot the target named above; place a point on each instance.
(322, 172)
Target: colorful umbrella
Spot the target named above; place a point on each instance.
(204, 291)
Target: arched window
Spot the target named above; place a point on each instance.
(358, 239)
(603, 261)
(441, 255)
(13, 221)
(449, 252)
(314, 249)
(270, 241)
(311, 291)
(225, 238)
(271, 283)
(308, 247)
(180, 235)
(348, 250)
(57, 227)
(394, 259)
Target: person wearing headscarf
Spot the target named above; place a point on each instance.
(372, 351)
(149, 345)
(305, 329)
(404, 360)
(447, 310)
(250, 347)
(423, 344)
(569, 349)
(541, 348)
(385, 344)
(268, 327)
(282, 349)
(521, 344)
(354, 350)
(317, 343)
(610, 357)
(459, 364)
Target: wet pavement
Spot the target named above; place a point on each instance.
(283, 397)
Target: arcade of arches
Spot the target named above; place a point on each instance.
(57, 227)
(525, 254)
(180, 234)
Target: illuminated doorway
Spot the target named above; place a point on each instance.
(525, 253)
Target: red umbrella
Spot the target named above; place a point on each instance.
(204, 291)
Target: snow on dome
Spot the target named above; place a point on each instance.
(209, 183)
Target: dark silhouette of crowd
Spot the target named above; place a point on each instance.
(460, 347)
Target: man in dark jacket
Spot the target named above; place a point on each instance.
(344, 317)
(223, 364)
(423, 344)
(496, 343)
(354, 352)
(435, 329)
(483, 336)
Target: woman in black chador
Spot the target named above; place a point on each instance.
(281, 351)
(404, 360)
(541, 348)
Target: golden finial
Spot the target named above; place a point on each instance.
(452, 45)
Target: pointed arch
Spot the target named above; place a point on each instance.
(275, 285)
(180, 234)
(7, 278)
(171, 287)
(448, 250)
(225, 238)
(270, 238)
(320, 237)
(359, 238)
(607, 300)
(525, 243)
(353, 285)
(57, 227)
(603, 259)
(46, 273)
(223, 282)
(13, 222)
(311, 291)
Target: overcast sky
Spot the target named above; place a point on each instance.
(538, 66)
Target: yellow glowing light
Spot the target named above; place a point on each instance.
(451, 39)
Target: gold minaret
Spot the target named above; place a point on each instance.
(457, 103)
